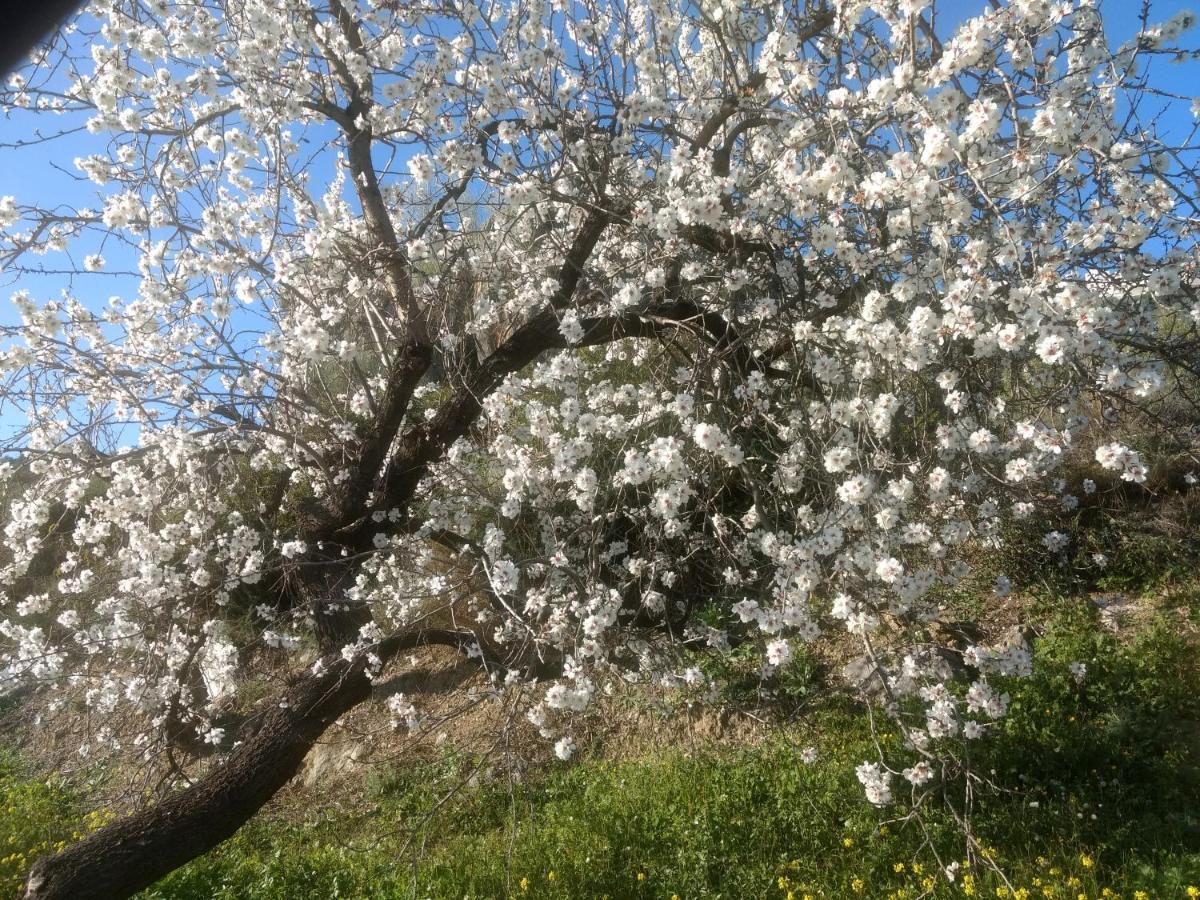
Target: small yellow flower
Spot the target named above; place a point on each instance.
(1086, 860)
(898, 867)
(847, 842)
(969, 885)
(524, 885)
(857, 885)
(550, 876)
(1002, 891)
(641, 876)
(1193, 891)
(917, 868)
(1140, 895)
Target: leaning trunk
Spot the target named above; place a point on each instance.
(132, 853)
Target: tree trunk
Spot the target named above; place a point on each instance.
(132, 853)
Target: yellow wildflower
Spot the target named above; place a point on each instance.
(1086, 860)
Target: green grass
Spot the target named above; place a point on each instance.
(1103, 771)
(36, 817)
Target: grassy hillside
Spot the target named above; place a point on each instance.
(1107, 773)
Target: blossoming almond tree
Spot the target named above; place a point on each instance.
(765, 310)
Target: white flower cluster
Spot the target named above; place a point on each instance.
(403, 710)
(876, 781)
(1117, 457)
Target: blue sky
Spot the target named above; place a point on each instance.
(44, 173)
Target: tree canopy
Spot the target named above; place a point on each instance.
(585, 337)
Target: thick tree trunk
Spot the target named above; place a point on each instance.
(134, 852)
